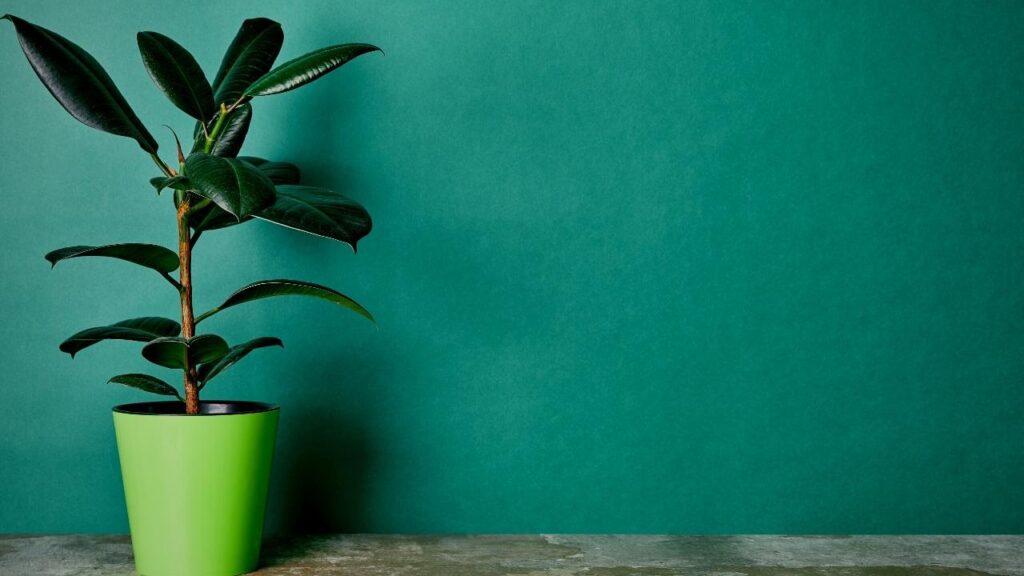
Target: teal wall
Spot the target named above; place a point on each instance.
(638, 267)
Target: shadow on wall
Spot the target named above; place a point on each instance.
(324, 455)
(325, 451)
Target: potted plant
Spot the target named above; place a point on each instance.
(196, 472)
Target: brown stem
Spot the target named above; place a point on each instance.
(188, 325)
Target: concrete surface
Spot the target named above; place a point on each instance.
(564, 555)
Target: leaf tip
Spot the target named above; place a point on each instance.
(261, 21)
(181, 155)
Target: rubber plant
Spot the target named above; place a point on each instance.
(213, 188)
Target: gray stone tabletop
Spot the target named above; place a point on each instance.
(556, 555)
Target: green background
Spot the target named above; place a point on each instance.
(694, 267)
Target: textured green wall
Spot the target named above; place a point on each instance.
(638, 267)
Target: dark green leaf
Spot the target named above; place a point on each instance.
(79, 83)
(208, 371)
(136, 329)
(281, 172)
(177, 74)
(178, 182)
(158, 258)
(146, 383)
(233, 134)
(306, 68)
(212, 217)
(278, 172)
(250, 55)
(269, 288)
(236, 186)
(257, 162)
(172, 352)
(318, 211)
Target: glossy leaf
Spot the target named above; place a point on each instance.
(281, 172)
(158, 258)
(236, 127)
(146, 383)
(172, 352)
(236, 186)
(278, 172)
(306, 68)
(136, 329)
(178, 182)
(177, 74)
(255, 161)
(212, 217)
(79, 83)
(250, 55)
(208, 371)
(271, 288)
(320, 212)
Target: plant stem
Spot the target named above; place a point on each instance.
(218, 126)
(188, 325)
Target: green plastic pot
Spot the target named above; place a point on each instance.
(196, 486)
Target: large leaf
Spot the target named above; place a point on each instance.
(172, 352)
(255, 161)
(281, 172)
(146, 383)
(158, 258)
(212, 217)
(306, 68)
(233, 134)
(278, 172)
(236, 186)
(79, 83)
(270, 288)
(137, 329)
(208, 371)
(249, 56)
(320, 212)
(178, 74)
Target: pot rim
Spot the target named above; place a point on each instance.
(206, 407)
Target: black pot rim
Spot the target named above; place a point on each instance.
(206, 408)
